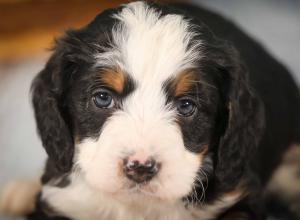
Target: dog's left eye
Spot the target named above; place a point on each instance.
(185, 107)
(103, 99)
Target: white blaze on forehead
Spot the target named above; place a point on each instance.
(150, 47)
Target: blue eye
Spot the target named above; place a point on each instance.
(103, 99)
(185, 107)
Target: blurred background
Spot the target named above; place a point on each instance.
(27, 31)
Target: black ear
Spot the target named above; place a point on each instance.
(244, 122)
(51, 117)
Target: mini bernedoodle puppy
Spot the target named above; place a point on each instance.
(157, 112)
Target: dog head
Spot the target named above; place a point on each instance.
(146, 101)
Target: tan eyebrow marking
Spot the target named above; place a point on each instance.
(184, 82)
(114, 78)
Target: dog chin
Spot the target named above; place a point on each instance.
(140, 194)
(130, 192)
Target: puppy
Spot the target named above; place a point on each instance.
(161, 112)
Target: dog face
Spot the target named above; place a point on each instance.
(145, 102)
(142, 99)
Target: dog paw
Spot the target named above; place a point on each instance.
(18, 198)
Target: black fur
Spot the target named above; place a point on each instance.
(248, 118)
(53, 87)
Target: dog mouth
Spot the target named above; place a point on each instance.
(143, 188)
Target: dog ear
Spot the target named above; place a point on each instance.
(51, 117)
(73, 53)
(244, 123)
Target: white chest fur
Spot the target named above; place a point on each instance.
(79, 202)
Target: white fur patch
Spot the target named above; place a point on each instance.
(211, 211)
(80, 202)
(151, 47)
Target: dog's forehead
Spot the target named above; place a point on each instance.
(149, 46)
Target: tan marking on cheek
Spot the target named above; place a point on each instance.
(203, 152)
(235, 193)
(240, 191)
(184, 83)
(115, 79)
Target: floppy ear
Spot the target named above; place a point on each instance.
(50, 115)
(244, 127)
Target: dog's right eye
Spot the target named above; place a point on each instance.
(186, 107)
(103, 99)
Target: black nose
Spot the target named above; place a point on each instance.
(140, 172)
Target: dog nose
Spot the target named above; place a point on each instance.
(140, 172)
